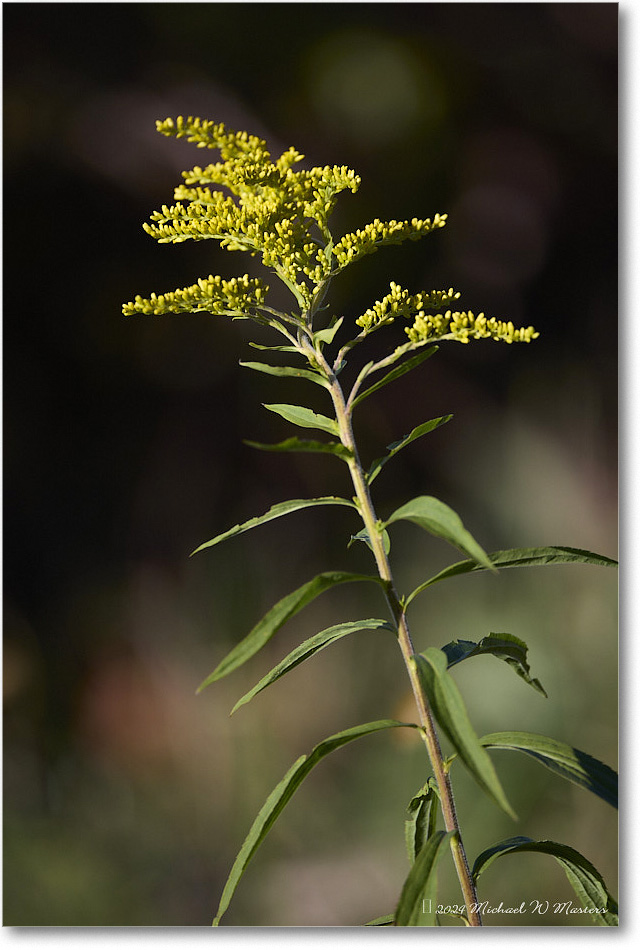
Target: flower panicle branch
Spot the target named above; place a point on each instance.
(462, 326)
(239, 295)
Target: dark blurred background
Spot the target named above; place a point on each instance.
(126, 795)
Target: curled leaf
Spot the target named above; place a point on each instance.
(422, 822)
(502, 645)
(570, 763)
(586, 881)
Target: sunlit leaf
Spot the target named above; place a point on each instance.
(395, 373)
(302, 416)
(303, 445)
(585, 880)
(519, 557)
(287, 371)
(281, 795)
(418, 902)
(276, 349)
(450, 711)
(438, 519)
(572, 764)
(395, 447)
(328, 334)
(276, 511)
(309, 648)
(275, 618)
(502, 645)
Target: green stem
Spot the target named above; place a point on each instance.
(428, 730)
(429, 735)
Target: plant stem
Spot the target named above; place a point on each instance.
(429, 734)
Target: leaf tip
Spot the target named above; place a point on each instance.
(204, 684)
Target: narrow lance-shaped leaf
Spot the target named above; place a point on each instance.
(281, 795)
(519, 557)
(385, 921)
(276, 349)
(276, 511)
(395, 447)
(502, 645)
(303, 445)
(450, 711)
(422, 822)
(328, 334)
(309, 648)
(418, 902)
(287, 371)
(586, 881)
(302, 416)
(275, 618)
(395, 373)
(438, 519)
(570, 763)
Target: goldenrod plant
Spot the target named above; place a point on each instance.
(278, 213)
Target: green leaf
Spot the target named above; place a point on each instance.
(395, 447)
(275, 618)
(384, 921)
(585, 880)
(301, 416)
(307, 649)
(572, 764)
(364, 536)
(395, 373)
(448, 706)
(287, 371)
(502, 645)
(328, 334)
(417, 905)
(423, 818)
(438, 519)
(303, 445)
(519, 557)
(276, 349)
(281, 795)
(276, 511)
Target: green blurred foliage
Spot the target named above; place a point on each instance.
(126, 796)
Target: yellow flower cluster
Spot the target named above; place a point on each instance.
(400, 302)
(353, 246)
(453, 325)
(238, 296)
(272, 213)
(465, 326)
(207, 134)
(270, 209)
